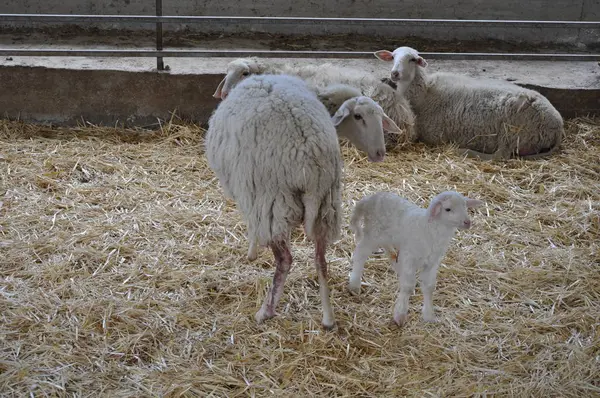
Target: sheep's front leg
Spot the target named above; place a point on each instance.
(359, 257)
(407, 277)
(321, 264)
(427, 281)
(283, 263)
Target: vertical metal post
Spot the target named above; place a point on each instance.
(159, 40)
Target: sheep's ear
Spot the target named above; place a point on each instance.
(341, 114)
(471, 203)
(218, 93)
(384, 55)
(421, 62)
(389, 125)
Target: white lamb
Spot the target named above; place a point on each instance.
(419, 236)
(486, 118)
(274, 148)
(321, 78)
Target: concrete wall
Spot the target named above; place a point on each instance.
(586, 10)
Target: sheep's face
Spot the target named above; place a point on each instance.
(451, 209)
(362, 121)
(237, 71)
(405, 59)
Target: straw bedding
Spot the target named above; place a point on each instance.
(123, 273)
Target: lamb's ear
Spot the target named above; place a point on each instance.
(342, 113)
(471, 203)
(384, 55)
(218, 93)
(389, 125)
(434, 210)
(421, 62)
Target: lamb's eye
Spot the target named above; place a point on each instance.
(448, 209)
(245, 73)
(357, 117)
(413, 60)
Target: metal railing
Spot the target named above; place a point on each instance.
(160, 53)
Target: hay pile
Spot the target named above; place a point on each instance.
(123, 273)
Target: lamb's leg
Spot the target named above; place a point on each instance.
(359, 257)
(283, 263)
(321, 264)
(408, 279)
(253, 249)
(427, 281)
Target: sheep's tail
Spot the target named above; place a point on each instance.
(355, 220)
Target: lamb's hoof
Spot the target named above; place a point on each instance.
(263, 315)
(430, 318)
(252, 257)
(400, 319)
(354, 289)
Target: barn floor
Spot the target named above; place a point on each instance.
(123, 273)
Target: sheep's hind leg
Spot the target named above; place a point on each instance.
(321, 264)
(253, 249)
(283, 263)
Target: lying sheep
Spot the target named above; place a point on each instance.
(321, 78)
(274, 148)
(486, 118)
(359, 119)
(420, 236)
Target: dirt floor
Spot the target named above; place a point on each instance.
(256, 40)
(123, 273)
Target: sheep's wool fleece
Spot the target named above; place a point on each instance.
(275, 151)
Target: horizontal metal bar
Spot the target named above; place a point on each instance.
(294, 20)
(32, 52)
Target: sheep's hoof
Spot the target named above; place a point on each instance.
(252, 257)
(264, 314)
(328, 327)
(400, 319)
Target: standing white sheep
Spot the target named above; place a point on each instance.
(273, 147)
(359, 119)
(486, 118)
(321, 78)
(420, 236)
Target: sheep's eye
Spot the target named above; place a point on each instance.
(448, 209)
(357, 117)
(413, 60)
(245, 73)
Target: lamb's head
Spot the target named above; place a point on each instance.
(451, 208)
(237, 71)
(362, 121)
(405, 59)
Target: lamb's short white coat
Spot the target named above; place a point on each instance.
(420, 237)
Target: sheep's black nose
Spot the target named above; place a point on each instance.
(395, 74)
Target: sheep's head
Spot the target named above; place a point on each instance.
(451, 209)
(362, 121)
(405, 59)
(237, 71)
